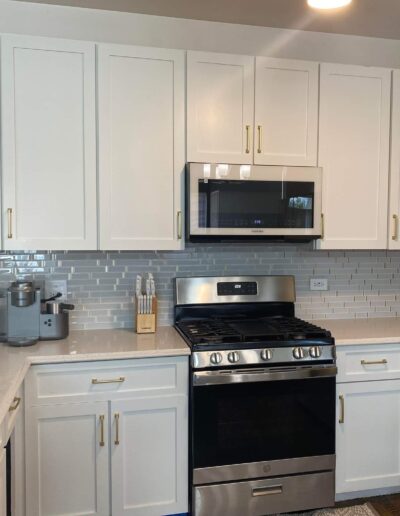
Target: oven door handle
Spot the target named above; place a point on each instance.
(221, 377)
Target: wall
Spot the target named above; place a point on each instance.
(136, 29)
(361, 284)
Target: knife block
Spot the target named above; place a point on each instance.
(146, 323)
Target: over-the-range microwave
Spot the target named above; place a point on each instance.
(245, 202)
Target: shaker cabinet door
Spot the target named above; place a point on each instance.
(394, 188)
(367, 436)
(141, 147)
(149, 454)
(286, 112)
(354, 155)
(220, 108)
(67, 460)
(48, 143)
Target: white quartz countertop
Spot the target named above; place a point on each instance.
(385, 330)
(83, 345)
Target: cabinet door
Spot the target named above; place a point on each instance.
(48, 143)
(141, 147)
(394, 189)
(150, 465)
(286, 112)
(67, 467)
(220, 108)
(368, 440)
(354, 154)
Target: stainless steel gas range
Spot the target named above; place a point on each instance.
(262, 411)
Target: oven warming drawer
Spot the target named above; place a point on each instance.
(269, 496)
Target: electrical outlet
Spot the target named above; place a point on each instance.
(55, 286)
(318, 284)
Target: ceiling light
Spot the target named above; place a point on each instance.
(328, 4)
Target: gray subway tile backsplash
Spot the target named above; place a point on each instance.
(100, 284)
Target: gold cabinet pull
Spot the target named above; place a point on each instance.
(101, 418)
(341, 418)
(247, 139)
(96, 381)
(395, 234)
(116, 417)
(15, 404)
(259, 129)
(374, 362)
(322, 226)
(179, 223)
(9, 217)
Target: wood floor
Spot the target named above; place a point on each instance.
(384, 505)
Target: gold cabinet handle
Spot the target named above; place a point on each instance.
(101, 418)
(116, 417)
(322, 226)
(179, 223)
(259, 129)
(9, 217)
(374, 362)
(247, 139)
(395, 234)
(341, 418)
(96, 381)
(15, 404)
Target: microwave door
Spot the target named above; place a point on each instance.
(271, 201)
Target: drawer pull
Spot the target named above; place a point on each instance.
(96, 381)
(267, 491)
(15, 405)
(374, 362)
(116, 417)
(101, 443)
(341, 418)
(259, 129)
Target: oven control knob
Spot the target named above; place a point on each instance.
(315, 352)
(266, 354)
(233, 357)
(216, 358)
(298, 353)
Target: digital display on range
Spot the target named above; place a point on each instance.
(237, 288)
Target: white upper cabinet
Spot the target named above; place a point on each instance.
(220, 108)
(354, 153)
(141, 147)
(394, 191)
(48, 143)
(286, 112)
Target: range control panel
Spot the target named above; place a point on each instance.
(241, 288)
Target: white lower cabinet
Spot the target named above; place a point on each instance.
(148, 461)
(368, 419)
(368, 438)
(66, 461)
(112, 441)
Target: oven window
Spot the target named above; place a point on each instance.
(256, 204)
(252, 422)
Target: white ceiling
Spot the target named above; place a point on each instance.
(379, 18)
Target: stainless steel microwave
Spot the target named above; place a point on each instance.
(246, 202)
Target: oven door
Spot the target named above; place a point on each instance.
(253, 201)
(262, 422)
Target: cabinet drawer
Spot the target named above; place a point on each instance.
(369, 362)
(11, 416)
(106, 380)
